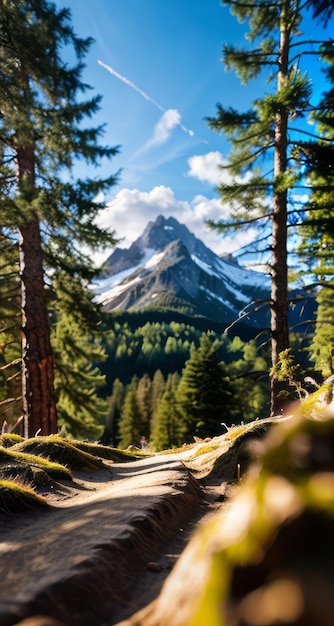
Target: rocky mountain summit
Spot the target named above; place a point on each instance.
(168, 267)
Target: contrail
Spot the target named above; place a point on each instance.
(141, 92)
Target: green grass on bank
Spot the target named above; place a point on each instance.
(31, 465)
(16, 497)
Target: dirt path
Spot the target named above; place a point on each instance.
(81, 560)
(152, 579)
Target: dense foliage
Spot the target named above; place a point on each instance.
(47, 212)
(164, 364)
(266, 180)
(317, 234)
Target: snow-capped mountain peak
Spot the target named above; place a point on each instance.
(168, 261)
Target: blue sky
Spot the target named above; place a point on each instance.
(158, 66)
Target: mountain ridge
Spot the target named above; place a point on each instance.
(168, 259)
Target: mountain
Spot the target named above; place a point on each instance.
(167, 267)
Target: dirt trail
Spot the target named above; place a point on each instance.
(149, 584)
(81, 560)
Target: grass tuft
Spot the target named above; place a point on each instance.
(54, 470)
(105, 452)
(27, 474)
(15, 498)
(10, 439)
(59, 450)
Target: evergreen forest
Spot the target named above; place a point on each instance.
(170, 367)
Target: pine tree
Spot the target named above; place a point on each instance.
(204, 393)
(322, 346)
(249, 372)
(158, 389)
(261, 163)
(130, 433)
(144, 395)
(115, 404)
(42, 134)
(168, 429)
(77, 351)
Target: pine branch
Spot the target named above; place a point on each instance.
(251, 6)
(224, 226)
(247, 313)
(305, 132)
(323, 9)
(309, 42)
(253, 155)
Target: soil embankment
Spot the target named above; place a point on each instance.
(104, 547)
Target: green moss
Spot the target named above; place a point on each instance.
(61, 451)
(10, 439)
(15, 498)
(134, 452)
(54, 470)
(276, 535)
(104, 452)
(259, 426)
(27, 474)
(206, 448)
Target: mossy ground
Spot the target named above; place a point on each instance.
(16, 497)
(31, 465)
(40, 461)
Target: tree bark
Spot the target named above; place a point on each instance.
(39, 401)
(279, 267)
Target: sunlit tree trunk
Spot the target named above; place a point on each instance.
(39, 402)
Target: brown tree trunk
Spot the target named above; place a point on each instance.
(39, 402)
(279, 267)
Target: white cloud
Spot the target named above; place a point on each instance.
(162, 130)
(208, 168)
(169, 120)
(300, 199)
(131, 210)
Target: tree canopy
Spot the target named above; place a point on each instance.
(266, 179)
(43, 204)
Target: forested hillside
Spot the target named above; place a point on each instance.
(157, 370)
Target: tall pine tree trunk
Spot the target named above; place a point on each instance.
(39, 402)
(279, 267)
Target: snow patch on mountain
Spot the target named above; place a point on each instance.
(214, 296)
(154, 260)
(232, 272)
(113, 292)
(107, 289)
